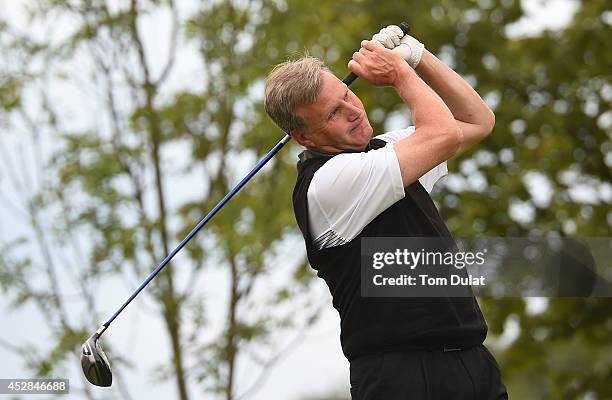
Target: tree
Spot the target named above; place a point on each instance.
(107, 180)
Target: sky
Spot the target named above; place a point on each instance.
(315, 367)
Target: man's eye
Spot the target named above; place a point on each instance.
(333, 113)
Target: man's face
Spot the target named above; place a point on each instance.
(336, 121)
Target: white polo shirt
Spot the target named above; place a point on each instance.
(352, 189)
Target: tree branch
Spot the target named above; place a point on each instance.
(173, 44)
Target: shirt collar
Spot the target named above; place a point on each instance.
(308, 154)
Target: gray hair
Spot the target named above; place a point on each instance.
(290, 84)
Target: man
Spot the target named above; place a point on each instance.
(350, 186)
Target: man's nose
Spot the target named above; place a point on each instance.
(354, 113)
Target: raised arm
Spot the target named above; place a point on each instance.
(437, 136)
(473, 116)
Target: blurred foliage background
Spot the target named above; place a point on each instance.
(105, 106)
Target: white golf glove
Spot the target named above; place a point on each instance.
(393, 38)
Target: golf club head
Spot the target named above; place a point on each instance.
(94, 363)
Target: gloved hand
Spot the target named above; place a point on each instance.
(392, 37)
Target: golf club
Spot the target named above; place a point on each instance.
(93, 359)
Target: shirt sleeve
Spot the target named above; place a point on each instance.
(349, 191)
(397, 135)
(432, 176)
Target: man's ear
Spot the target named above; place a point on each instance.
(301, 138)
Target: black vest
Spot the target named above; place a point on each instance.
(372, 325)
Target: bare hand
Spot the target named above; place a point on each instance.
(378, 65)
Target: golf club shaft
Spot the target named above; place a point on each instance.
(347, 80)
(199, 226)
